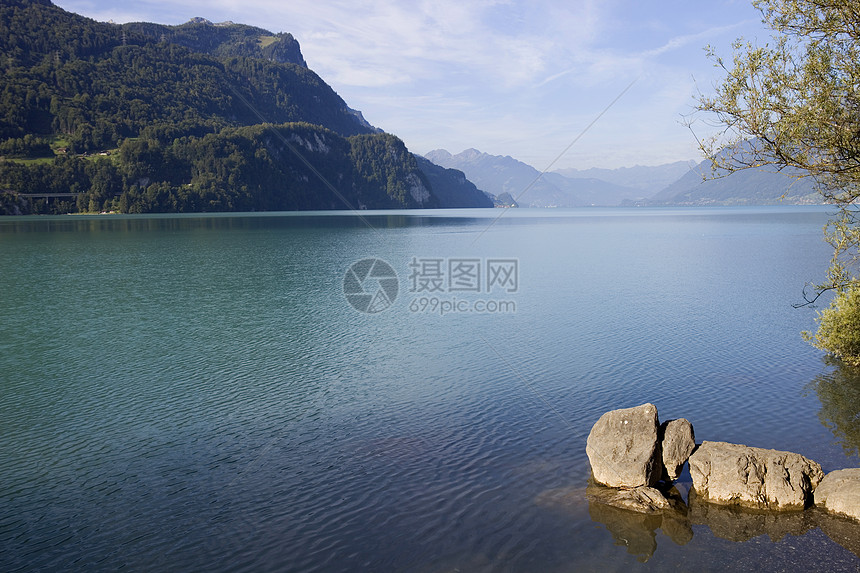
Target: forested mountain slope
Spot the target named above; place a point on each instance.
(148, 118)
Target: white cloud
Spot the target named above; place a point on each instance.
(699, 38)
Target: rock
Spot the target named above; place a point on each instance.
(623, 448)
(569, 500)
(677, 443)
(839, 492)
(642, 499)
(733, 474)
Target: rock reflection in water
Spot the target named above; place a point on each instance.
(635, 530)
(842, 530)
(638, 531)
(740, 524)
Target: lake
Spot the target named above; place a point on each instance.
(401, 391)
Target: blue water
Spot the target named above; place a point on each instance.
(197, 393)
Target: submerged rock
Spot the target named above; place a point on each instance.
(677, 443)
(632, 529)
(733, 474)
(739, 492)
(839, 492)
(642, 499)
(623, 448)
(633, 516)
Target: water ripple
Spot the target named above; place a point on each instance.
(203, 398)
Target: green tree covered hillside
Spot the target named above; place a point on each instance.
(199, 117)
(295, 166)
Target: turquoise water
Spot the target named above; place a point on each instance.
(197, 393)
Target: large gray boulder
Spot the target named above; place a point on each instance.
(678, 442)
(733, 474)
(623, 448)
(839, 492)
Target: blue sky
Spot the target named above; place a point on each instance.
(507, 77)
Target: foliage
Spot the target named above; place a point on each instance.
(795, 103)
(224, 40)
(839, 327)
(389, 172)
(295, 166)
(101, 83)
(181, 112)
(27, 146)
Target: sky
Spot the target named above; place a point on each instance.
(507, 77)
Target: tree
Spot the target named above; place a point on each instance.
(839, 327)
(794, 104)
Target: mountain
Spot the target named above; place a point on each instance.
(593, 191)
(688, 185)
(222, 40)
(451, 186)
(498, 175)
(199, 117)
(97, 84)
(295, 166)
(753, 186)
(650, 179)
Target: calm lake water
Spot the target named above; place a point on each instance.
(198, 393)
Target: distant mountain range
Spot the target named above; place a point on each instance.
(144, 117)
(678, 183)
(451, 186)
(498, 175)
(646, 178)
(753, 186)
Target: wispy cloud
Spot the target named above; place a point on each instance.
(553, 77)
(697, 38)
